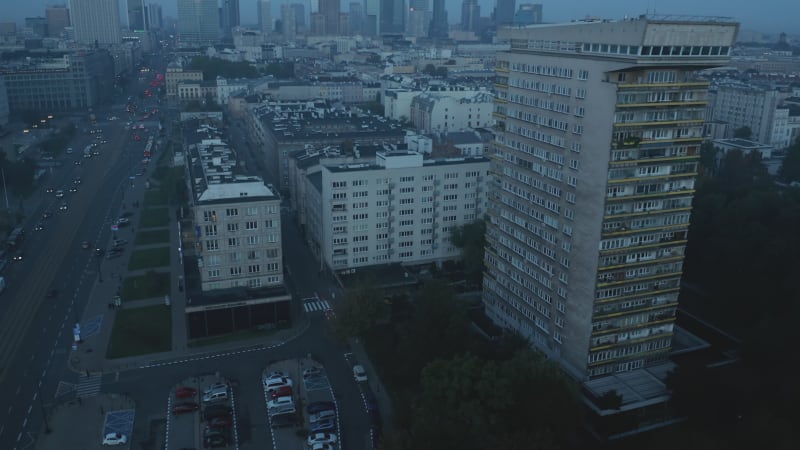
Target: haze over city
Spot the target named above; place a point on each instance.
(771, 16)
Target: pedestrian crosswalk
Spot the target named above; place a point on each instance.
(317, 305)
(89, 387)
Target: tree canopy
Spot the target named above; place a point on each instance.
(216, 67)
(470, 238)
(790, 169)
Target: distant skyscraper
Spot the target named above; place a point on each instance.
(38, 25)
(504, 12)
(198, 22)
(95, 21)
(470, 15)
(418, 18)
(595, 162)
(57, 19)
(393, 16)
(299, 15)
(439, 26)
(330, 10)
(372, 13)
(528, 14)
(155, 20)
(264, 10)
(230, 15)
(288, 22)
(317, 24)
(136, 18)
(356, 21)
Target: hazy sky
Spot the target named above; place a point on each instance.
(770, 16)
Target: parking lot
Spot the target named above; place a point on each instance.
(202, 414)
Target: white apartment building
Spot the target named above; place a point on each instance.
(754, 107)
(599, 126)
(434, 112)
(237, 221)
(400, 209)
(397, 101)
(95, 21)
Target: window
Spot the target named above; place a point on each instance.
(251, 211)
(406, 201)
(272, 253)
(233, 242)
(231, 212)
(209, 216)
(214, 273)
(211, 230)
(236, 271)
(254, 268)
(339, 184)
(212, 244)
(359, 182)
(406, 223)
(269, 223)
(583, 74)
(360, 194)
(406, 212)
(406, 179)
(580, 93)
(252, 254)
(251, 225)
(407, 190)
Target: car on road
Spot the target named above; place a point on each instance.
(18, 256)
(322, 426)
(85, 245)
(113, 253)
(78, 161)
(186, 407)
(181, 391)
(59, 193)
(321, 438)
(136, 137)
(39, 227)
(47, 215)
(69, 150)
(73, 189)
(49, 190)
(123, 221)
(359, 374)
(115, 439)
(77, 180)
(316, 407)
(62, 207)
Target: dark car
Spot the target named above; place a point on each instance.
(184, 391)
(323, 425)
(113, 253)
(220, 422)
(214, 411)
(186, 407)
(19, 256)
(316, 407)
(284, 420)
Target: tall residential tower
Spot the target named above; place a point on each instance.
(95, 21)
(599, 126)
(198, 22)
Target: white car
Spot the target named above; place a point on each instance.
(321, 446)
(215, 387)
(115, 439)
(360, 374)
(272, 383)
(123, 221)
(321, 438)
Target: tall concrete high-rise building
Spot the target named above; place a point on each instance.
(419, 18)
(330, 10)
(599, 127)
(356, 17)
(230, 15)
(299, 15)
(288, 22)
(528, 14)
(155, 19)
(504, 12)
(393, 16)
(372, 15)
(136, 17)
(57, 19)
(95, 21)
(439, 26)
(198, 22)
(264, 10)
(470, 15)
(37, 25)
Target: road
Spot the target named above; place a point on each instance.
(36, 331)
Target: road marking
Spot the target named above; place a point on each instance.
(35, 395)
(9, 409)
(19, 388)
(30, 407)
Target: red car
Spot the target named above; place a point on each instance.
(136, 137)
(185, 392)
(181, 408)
(283, 391)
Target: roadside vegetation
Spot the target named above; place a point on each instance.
(140, 331)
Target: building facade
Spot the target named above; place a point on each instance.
(155, 19)
(137, 21)
(754, 107)
(231, 17)
(470, 15)
(198, 22)
(95, 21)
(599, 126)
(264, 10)
(57, 19)
(504, 12)
(176, 75)
(330, 11)
(401, 209)
(4, 108)
(439, 26)
(288, 22)
(433, 112)
(393, 16)
(528, 14)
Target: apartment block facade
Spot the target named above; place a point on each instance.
(401, 209)
(599, 126)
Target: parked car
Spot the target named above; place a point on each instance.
(215, 411)
(215, 387)
(272, 383)
(360, 374)
(220, 422)
(215, 441)
(280, 403)
(316, 407)
(282, 391)
(322, 415)
(284, 420)
(215, 396)
(321, 438)
(181, 391)
(321, 446)
(186, 407)
(323, 425)
(312, 372)
(115, 439)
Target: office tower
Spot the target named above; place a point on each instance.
(95, 21)
(419, 18)
(372, 14)
(356, 19)
(439, 26)
(136, 18)
(57, 19)
(155, 19)
(470, 15)
(265, 23)
(198, 22)
(330, 10)
(504, 12)
(599, 127)
(393, 16)
(230, 15)
(37, 25)
(528, 14)
(299, 15)
(288, 22)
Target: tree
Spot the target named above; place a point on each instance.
(708, 157)
(429, 69)
(361, 309)
(743, 132)
(790, 168)
(441, 72)
(374, 58)
(470, 238)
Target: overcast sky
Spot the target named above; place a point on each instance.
(769, 16)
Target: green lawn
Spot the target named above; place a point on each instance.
(156, 197)
(149, 258)
(139, 331)
(154, 217)
(232, 337)
(150, 285)
(152, 237)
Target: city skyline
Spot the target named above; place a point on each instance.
(754, 17)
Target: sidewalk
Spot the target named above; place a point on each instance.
(79, 423)
(376, 385)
